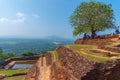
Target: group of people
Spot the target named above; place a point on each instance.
(95, 36)
(88, 36)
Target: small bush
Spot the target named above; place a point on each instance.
(1, 51)
(29, 54)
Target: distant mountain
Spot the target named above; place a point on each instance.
(58, 38)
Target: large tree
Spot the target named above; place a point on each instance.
(92, 17)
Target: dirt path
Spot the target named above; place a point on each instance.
(114, 57)
(104, 51)
(44, 70)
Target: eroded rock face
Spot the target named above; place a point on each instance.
(72, 66)
(109, 70)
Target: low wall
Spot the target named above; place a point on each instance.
(93, 41)
(7, 61)
(100, 41)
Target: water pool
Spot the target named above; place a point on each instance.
(22, 66)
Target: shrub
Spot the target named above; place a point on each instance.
(29, 54)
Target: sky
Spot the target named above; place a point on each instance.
(42, 18)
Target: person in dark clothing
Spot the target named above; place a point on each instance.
(117, 30)
(85, 36)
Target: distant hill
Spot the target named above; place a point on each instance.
(58, 38)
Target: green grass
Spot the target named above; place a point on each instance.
(15, 78)
(96, 59)
(84, 50)
(102, 54)
(55, 56)
(13, 71)
(78, 47)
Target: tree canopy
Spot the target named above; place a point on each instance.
(92, 17)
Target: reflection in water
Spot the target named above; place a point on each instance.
(22, 66)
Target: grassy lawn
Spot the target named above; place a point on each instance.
(95, 58)
(15, 78)
(13, 71)
(84, 50)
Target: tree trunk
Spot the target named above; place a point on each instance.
(93, 35)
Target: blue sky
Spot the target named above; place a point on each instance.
(41, 18)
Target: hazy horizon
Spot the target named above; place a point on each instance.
(45, 37)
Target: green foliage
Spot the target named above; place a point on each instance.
(6, 56)
(92, 16)
(1, 51)
(29, 54)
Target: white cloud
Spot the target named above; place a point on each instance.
(4, 19)
(20, 18)
(19, 14)
(7, 20)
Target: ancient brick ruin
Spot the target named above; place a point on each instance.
(72, 66)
